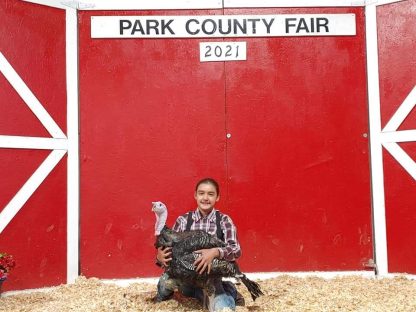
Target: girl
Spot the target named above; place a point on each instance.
(208, 219)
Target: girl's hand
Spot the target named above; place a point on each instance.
(204, 262)
(164, 255)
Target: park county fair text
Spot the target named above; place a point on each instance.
(223, 26)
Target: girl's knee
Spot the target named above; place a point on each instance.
(221, 302)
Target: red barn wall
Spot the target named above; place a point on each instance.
(294, 174)
(32, 39)
(397, 43)
(294, 170)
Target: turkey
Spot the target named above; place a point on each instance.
(183, 246)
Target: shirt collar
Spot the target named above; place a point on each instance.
(198, 216)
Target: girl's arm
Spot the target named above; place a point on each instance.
(232, 251)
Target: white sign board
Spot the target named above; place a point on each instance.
(217, 26)
(222, 51)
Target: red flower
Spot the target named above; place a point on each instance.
(7, 263)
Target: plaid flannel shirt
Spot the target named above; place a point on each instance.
(208, 224)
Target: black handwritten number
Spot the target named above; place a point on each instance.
(228, 52)
(218, 51)
(208, 52)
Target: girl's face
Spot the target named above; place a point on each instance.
(206, 196)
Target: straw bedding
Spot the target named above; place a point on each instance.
(284, 293)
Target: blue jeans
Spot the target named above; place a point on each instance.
(224, 297)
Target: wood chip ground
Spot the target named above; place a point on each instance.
(284, 293)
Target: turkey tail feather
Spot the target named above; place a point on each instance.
(252, 287)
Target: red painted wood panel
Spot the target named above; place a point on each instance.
(298, 160)
(32, 38)
(36, 237)
(152, 124)
(297, 163)
(397, 43)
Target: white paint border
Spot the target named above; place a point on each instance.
(21, 197)
(29, 98)
(73, 145)
(377, 172)
(9, 141)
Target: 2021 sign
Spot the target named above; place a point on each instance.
(222, 51)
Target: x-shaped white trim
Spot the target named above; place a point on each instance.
(58, 143)
(390, 136)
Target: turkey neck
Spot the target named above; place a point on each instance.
(160, 221)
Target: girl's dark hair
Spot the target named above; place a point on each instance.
(209, 181)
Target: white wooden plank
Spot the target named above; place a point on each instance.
(377, 175)
(148, 5)
(8, 141)
(21, 197)
(30, 99)
(73, 145)
(402, 112)
(402, 157)
(383, 2)
(290, 3)
(206, 4)
(51, 3)
(399, 136)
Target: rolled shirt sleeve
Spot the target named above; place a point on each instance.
(232, 250)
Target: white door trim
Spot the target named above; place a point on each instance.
(11, 141)
(73, 145)
(399, 136)
(376, 152)
(390, 135)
